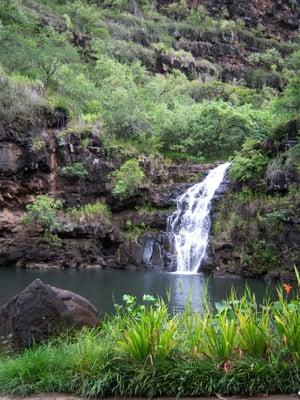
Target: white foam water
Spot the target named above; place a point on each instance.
(190, 224)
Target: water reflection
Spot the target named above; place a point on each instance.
(103, 288)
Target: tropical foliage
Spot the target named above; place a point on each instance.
(44, 211)
(128, 179)
(145, 350)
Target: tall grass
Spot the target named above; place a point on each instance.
(144, 350)
(91, 212)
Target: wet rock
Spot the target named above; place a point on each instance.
(82, 312)
(151, 251)
(41, 311)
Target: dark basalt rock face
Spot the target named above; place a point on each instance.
(27, 171)
(280, 17)
(152, 250)
(254, 246)
(41, 311)
(226, 53)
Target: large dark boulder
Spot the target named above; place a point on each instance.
(41, 311)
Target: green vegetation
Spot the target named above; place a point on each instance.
(241, 348)
(271, 59)
(163, 79)
(43, 211)
(132, 232)
(265, 196)
(290, 103)
(129, 72)
(94, 62)
(75, 170)
(129, 178)
(250, 163)
(38, 144)
(91, 212)
(256, 223)
(22, 100)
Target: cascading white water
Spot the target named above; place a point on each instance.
(190, 223)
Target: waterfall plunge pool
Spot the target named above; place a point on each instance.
(189, 226)
(106, 287)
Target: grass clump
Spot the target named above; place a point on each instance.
(76, 170)
(239, 348)
(90, 212)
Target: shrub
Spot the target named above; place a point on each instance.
(293, 157)
(131, 233)
(22, 100)
(124, 110)
(76, 90)
(168, 50)
(129, 5)
(38, 144)
(289, 104)
(129, 178)
(250, 164)
(270, 59)
(39, 56)
(128, 52)
(44, 211)
(177, 10)
(75, 170)
(261, 257)
(258, 78)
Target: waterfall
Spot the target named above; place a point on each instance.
(189, 225)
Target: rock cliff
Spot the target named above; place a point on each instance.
(134, 236)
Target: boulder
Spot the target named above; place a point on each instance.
(41, 311)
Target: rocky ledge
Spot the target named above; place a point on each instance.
(135, 236)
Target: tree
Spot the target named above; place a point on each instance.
(210, 128)
(123, 104)
(37, 56)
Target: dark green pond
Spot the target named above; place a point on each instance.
(103, 288)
